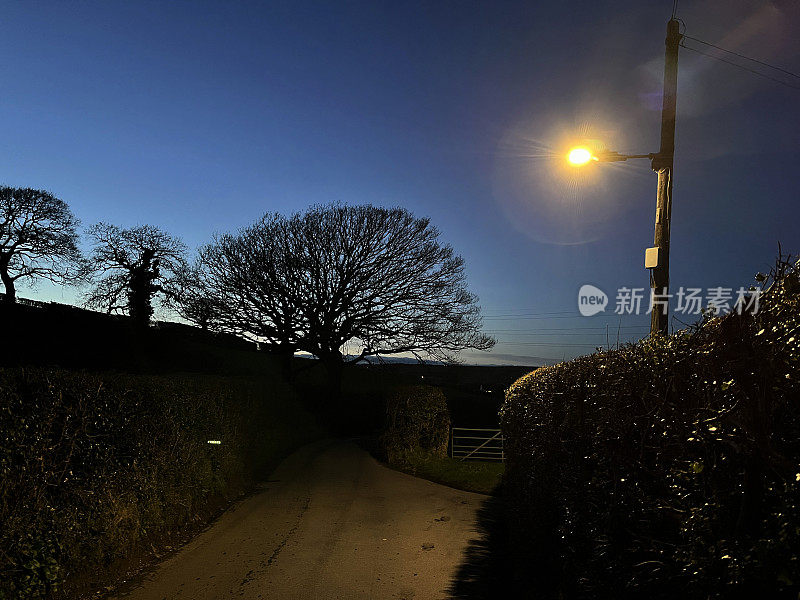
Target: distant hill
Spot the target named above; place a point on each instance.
(403, 360)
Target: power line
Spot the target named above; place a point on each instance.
(551, 344)
(587, 335)
(514, 317)
(504, 334)
(760, 62)
(573, 316)
(564, 314)
(569, 329)
(753, 71)
(565, 331)
(510, 313)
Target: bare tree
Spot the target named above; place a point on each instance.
(38, 239)
(377, 280)
(253, 279)
(133, 267)
(192, 298)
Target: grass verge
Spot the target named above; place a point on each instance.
(481, 477)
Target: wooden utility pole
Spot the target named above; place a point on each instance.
(662, 164)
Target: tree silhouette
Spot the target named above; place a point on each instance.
(377, 280)
(191, 299)
(38, 239)
(252, 277)
(132, 267)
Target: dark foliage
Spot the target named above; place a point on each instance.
(474, 393)
(669, 468)
(96, 467)
(416, 419)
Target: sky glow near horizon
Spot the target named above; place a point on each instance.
(200, 118)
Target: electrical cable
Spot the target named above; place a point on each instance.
(753, 71)
(760, 62)
(551, 344)
(574, 316)
(565, 329)
(522, 313)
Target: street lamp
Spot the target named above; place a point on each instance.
(580, 156)
(657, 257)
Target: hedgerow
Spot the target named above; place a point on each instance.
(417, 419)
(97, 467)
(666, 468)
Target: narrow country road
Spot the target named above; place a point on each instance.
(331, 523)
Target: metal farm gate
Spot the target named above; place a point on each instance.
(476, 444)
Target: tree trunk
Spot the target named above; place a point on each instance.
(334, 366)
(139, 302)
(285, 360)
(8, 282)
(140, 289)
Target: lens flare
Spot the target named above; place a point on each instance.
(579, 156)
(549, 199)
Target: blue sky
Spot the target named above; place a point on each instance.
(199, 117)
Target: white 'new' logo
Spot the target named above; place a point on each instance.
(591, 300)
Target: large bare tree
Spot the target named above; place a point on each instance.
(133, 267)
(191, 298)
(38, 239)
(373, 279)
(253, 279)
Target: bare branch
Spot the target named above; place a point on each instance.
(372, 277)
(132, 267)
(38, 239)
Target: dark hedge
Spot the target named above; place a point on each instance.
(98, 467)
(667, 468)
(417, 419)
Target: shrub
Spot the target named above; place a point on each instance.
(416, 419)
(667, 468)
(96, 467)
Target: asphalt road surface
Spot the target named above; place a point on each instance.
(331, 523)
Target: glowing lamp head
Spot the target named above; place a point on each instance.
(580, 156)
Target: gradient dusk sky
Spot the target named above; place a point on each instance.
(198, 117)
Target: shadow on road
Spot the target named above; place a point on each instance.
(489, 569)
